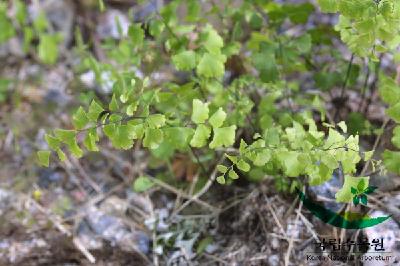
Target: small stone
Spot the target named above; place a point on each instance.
(275, 243)
(114, 205)
(113, 229)
(59, 13)
(5, 200)
(108, 26)
(328, 190)
(142, 241)
(211, 248)
(273, 260)
(390, 232)
(106, 83)
(88, 79)
(147, 9)
(47, 176)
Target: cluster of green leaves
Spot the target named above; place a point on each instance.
(347, 194)
(390, 94)
(295, 151)
(8, 30)
(4, 86)
(39, 30)
(246, 117)
(137, 123)
(366, 26)
(361, 192)
(208, 61)
(369, 28)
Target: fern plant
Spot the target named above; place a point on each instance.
(370, 28)
(240, 97)
(37, 29)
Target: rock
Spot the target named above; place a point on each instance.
(86, 236)
(51, 87)
(6, 198)
(88, 79)
(211, 248)
(14, 251)
(13, 48)
(161, 226)
(106, 83)
(147, 9)
(56, 83)
(142, 241)
(40, 139)
(139, 201)
(114, 205)
(328, 191)
(31, 71)
(47, 176)
(59, 13)
(275, 243)
(390, 232)
(273, 260)
(109, 227)
(108, 27)
(186, 245)
(177, 258)
(383, 182)
(113, 229)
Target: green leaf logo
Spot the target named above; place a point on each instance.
(337, 220)
(360, 193)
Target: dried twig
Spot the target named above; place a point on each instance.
(74, 162)
(182, 194)
(200, 193)
(269, 206)
(78, 244)
(55, 220)
(308, 225)
(290, 247)
(344, 85)
(372, 87)
(377, 140)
